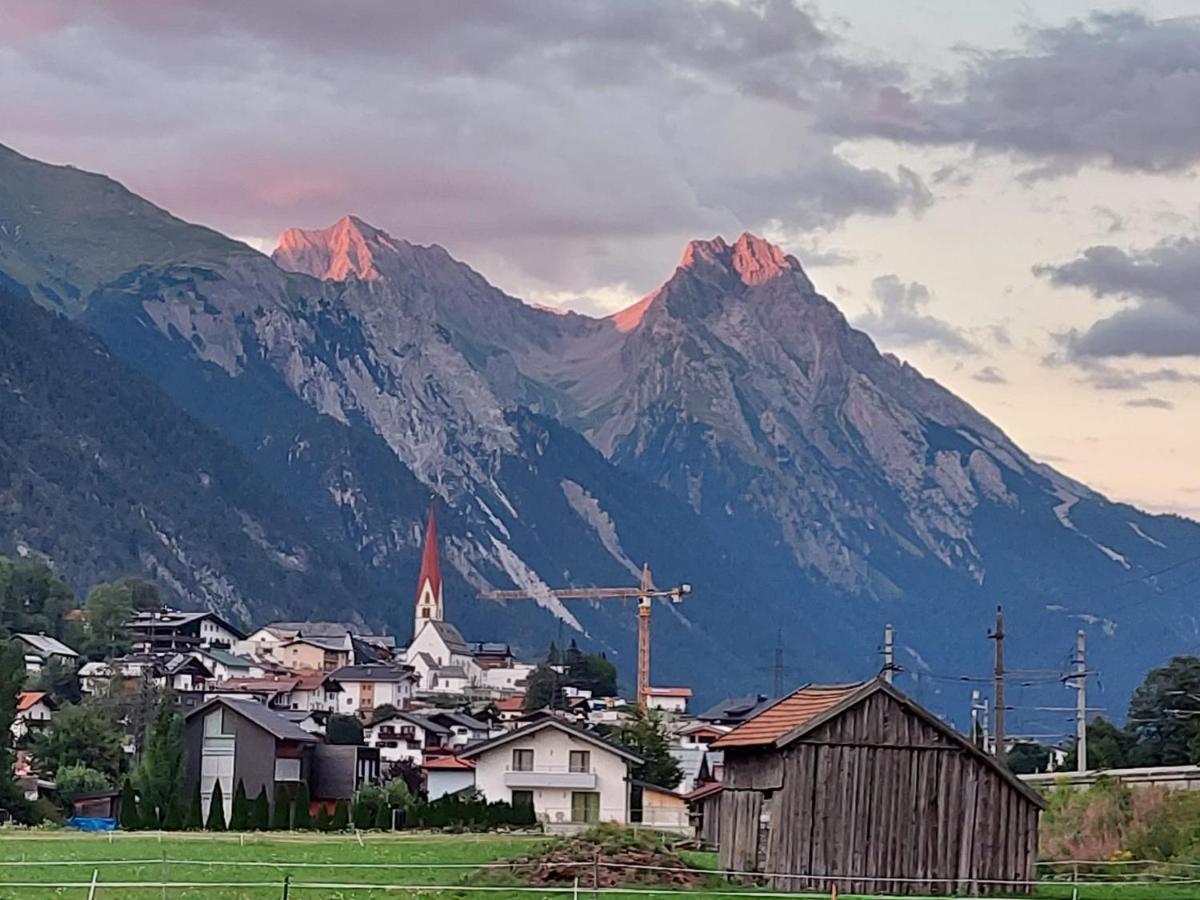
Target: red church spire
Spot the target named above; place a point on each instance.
(429, 582)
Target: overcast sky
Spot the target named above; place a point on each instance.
(1002, 193)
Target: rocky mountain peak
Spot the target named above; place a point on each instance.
(752, 260)
(348, 247)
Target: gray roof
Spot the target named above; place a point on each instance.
(414, 719)
(451, 637)
(527, 730)
(46, 645)
(451, 672)
(461, 719)
(264, 717)
(169, 618)
(373, 672)
(325, 642)
(736, 709)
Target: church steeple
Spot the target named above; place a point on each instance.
(429, 582)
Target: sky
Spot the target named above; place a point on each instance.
(1003, 194)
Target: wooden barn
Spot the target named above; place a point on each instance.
(857, 785)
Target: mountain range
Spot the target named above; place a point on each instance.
(295, 414)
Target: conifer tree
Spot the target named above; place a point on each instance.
(130, 820)
(302, 812)
(341, 816)
(174, 818)
(281, 810)
(239, 816)
(323, 822)
(193, 820)
(162, 766)
(216, 810)
(383, 816)
(260, 811)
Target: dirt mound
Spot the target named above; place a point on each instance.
(608, 857)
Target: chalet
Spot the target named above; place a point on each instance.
(231, 740)
(571, 777)
(510, 709)
(671, 700)
(34, 711)
(403, 736)
(447, 775)
(170, 629)
(368, 687)
(225, 665)
(462, 729)
(40, 650)
(857, 786)
(323, 654)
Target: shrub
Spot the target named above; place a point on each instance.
(341, 816)
(239, 818)
(128, 816)
(281, 810)
(193, 819)
(79, 779)
(260, 811)
(383, 817)
(323, 822)
(302, 809)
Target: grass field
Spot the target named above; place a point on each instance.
(37, 865)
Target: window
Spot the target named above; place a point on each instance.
(287, 770)
(522, 761)
(522, 798)
(585, 807)
(581, 761)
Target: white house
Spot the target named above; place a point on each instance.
(404, 736)
(367, 687)
(448, 775)
(41, 649)
(670, 700)
(34, 710)
(570, 776)
(513, 677)
(225, 665)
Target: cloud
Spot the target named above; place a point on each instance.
(1150, 403)
(1162, 287)
(552, 144)
(1106, 377)
(1114, 89)
(990, 375)
(898, 319)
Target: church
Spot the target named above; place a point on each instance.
(441, 659)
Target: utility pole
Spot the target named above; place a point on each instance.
(779, 667)
(1080, 703)
(998, 636)
(889, 661)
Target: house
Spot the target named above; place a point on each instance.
(403, 736)
(181, 672)
(368, 687)
(571, 777)
(831, 779)
(693, 762)
(492, 654)
(93, 676)
(510, 709)
(338, 771)
(699, 733)
(170, 629)
(225, 665)
(462, 729)
(670, 700)
(447, 775)
(323, 654)
(513, 677)
(231, 740)
(40, 650)
(735, 710)
(34, 711)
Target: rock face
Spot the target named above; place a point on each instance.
(731, 428)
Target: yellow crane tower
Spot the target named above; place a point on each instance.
(644, 592)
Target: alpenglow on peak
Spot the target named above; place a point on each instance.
(752, 259)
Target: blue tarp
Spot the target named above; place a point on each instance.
(86, 824)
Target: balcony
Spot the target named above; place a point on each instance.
(551, 777)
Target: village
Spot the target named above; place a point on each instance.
(851, 780)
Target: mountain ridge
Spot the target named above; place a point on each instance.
(800, 478)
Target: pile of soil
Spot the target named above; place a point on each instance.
(620, 853)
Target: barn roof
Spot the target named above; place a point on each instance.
(784, 716)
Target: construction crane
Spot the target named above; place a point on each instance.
(645, 593)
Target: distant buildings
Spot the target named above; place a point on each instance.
(41, 650)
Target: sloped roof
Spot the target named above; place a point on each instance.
(28, 699)
(225, 658)
(279, 726)
(451, 637)
(784, 716)
(372, 672)
(45, 644)
(448, 762)
(515, 703)
(705, 790)
(685, 692)
(529, 730)
(174, 618)
(431, 569)
(736, 708)
(331, 642)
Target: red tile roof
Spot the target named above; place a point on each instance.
(787, 714)
(705, 790)
(448, 762)
(669, 692)
(27, 699)
(511, 704)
